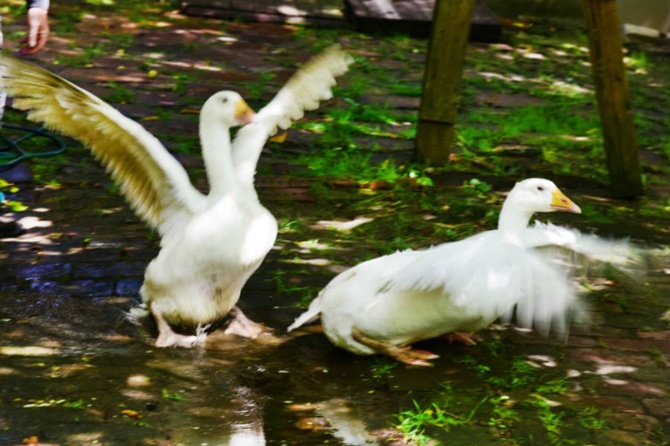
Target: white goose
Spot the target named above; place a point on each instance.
(210, 244)
(385, 304)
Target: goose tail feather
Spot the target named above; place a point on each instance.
(308, 316)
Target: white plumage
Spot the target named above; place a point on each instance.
(210, 244)
(385, 304)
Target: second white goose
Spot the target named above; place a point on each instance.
(383, 305)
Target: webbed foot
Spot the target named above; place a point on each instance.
(461, 337)
(168, 338)
(411, 356)
(241, 325)
(404, 354)
(173, 339)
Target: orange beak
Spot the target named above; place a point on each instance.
(561, 203)
(243, 113)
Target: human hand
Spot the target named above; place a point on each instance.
(38, 31)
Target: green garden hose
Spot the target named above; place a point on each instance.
(12, 152)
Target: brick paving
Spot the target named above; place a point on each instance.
(65, 285)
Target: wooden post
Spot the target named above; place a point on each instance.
(443, 72)
(616, 115)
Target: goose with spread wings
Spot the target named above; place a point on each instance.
(210, 244)
(383, 305)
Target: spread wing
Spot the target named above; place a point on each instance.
(155, 184)
(490, 277)
(547, 235)
(310, 85)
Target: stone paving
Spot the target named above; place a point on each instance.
(314, 12)
(76, 371)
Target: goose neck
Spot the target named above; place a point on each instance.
(512, 223)
(215, 141)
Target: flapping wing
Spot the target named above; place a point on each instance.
(542, 235)
(442, 266)
(489, 277)
(151, 179)
(310, 85)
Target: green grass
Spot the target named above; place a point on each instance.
(511, 395)
(503, 414)
(119, 94)
(590, 418)
(406, 89)
(172, 396)
(382, 369)
(83, 57)
(356, 165)
(341, 125)
(414, 423)
(566, 142)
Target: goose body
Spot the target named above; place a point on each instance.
(210, 244)
(385, 304)
(191, 282)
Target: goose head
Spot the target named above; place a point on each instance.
(540, 195)
(526, 198)
(227, 108)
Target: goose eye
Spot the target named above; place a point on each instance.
(540, 188)
(224, 100)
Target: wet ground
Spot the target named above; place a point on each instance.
(75, 370)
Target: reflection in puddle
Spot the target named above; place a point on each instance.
(347, 425)
(219, 411)
(339, 417)
(247, 435)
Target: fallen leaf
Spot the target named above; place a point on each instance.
(280, 137)
(131, 414)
